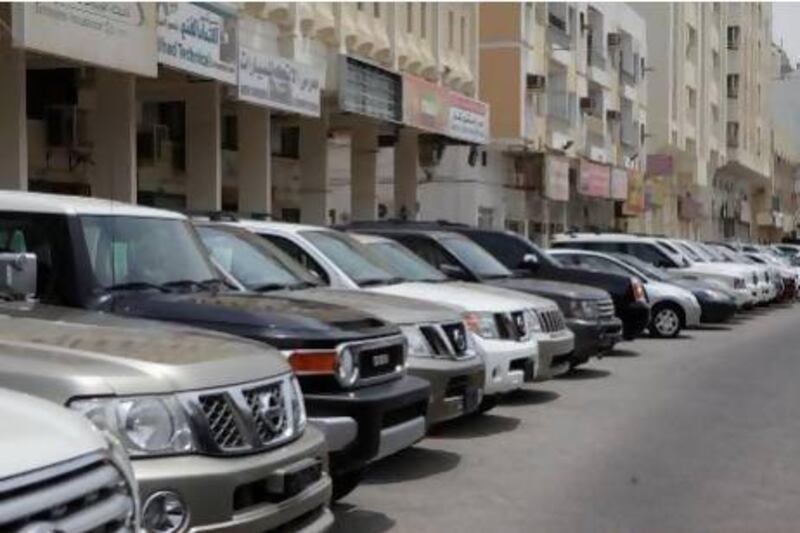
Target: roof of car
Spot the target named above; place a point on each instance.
(369, 239)
(288, 227)
(35, 202)
(566, 237)
(436, 234)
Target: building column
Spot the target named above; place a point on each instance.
(406, 161)
(255, 159)
(114, 120)
(313, 170)
(13, 120)
(363, 179)
(203, 147)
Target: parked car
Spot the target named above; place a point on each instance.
(672, 308)
(499, 327)
(585, 298)
(58, 474)
(214, 425)
(662, 254)
(440, 350)
(149, 263)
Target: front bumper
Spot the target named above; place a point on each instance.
(693, 313)
(744, 297)
(594, 337)
(508, 363)
(456, 386)
(555, 354)
(227, 493)
(715, 311)
(371, 422)
(635, 317)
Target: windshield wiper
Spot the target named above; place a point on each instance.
(267, 287)
(206, 284)
(380, 281)
(137, 286)
(302, 285)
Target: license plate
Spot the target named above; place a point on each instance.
(381, 359)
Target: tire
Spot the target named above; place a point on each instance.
(345, 483)
(487, 404)
(667, 321)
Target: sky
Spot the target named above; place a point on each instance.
(785, 23)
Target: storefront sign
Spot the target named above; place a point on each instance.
(619, 184)
(468, 119)
(634, 204)
(655, 193)
(659, 165)
(556, 185)
(198, 38)
(369, 90)
(594, 180)
(279, 83)
(119, 36)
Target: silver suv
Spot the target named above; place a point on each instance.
(58, 474)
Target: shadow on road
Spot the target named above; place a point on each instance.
(526, 397)
(471, 427)
(713, 327)
(351, 518)
(619, 352)
(410, 464)
(580, 374)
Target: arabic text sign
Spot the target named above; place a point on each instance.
(556, 185)
(594, 180)
(468, 119)
(198, 39)
(279, 83)
(114, 35)
(635, 202)
(619, 184)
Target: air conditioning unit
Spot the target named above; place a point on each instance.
(535, 82)
(614, 39)
(586, 103)
(613, 114)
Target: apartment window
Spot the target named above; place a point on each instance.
(715, 114)
(376, 10)
(758, 142)
(733, 86)
(732, 134)
(450, 29)
(642, 134)
(691, 98)
(409, 18)
(691, 41)
(423, 20)
(463, 35)
(360, 6)
(715, 62)
(734, 37)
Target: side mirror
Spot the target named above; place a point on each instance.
(453, 271)
(18, 274)
(529, 261)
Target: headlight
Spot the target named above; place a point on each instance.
(711, 295)
(298, 406)
(346, 368)
(482, 325)
(149, 425)
(417, 344)
(342, 364)
(532, 321)
(583, 309)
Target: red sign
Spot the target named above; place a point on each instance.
(595, 180)
(659, 165)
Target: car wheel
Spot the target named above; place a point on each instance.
(667, 321)
(346, 482)
(487, 404)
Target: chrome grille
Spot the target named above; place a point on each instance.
(518, 318)
(506, 328)
(87, 494)
(379, 359)
(456, 334)
(436, 341)
(552, 320)
(447, 340)
(605, 308)
(242, 419)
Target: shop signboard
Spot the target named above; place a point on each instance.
(656, 193)
(369, 90)
(118, 36)
(279, 83)
(659, 165)
(595, 179)
(619, 184)
(198, 38)
(556, 185)
(468, 119)
(634, 204)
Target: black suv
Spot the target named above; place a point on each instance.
(589, 312)
(149, 263)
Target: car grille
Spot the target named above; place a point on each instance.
(86, 494)
(447, 340)
(379, 359)
(605, 308)
(552, 320)
(243, 419)
(507, 327)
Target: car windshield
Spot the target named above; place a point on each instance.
(254, 262)
(652, 272)
(711, 252)
(352, 257)
(146, 252)
(475, 258)
(693, 255)
(402, 262)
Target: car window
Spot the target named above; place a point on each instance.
(689, 251)
(601, 264)
(297, 253)
(476, 259)
(349, 255)
(47, 236)
(649, 253)
(509, 249)
(428, 249)
(252, 266)
(402, 262)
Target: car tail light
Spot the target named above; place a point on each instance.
(313, 362)
(637, 289)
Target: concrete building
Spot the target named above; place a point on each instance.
(564, 81)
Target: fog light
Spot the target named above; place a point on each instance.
(164, 512)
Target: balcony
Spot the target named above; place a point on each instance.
(561, 106)
(558, 33)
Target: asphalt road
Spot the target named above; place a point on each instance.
(699, 433)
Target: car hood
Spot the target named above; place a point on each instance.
(555, 290)
(724, 268)
(44, 434)
(60, 354)
(282, 321)
(657, 290)
(398, 309)
(466, 296)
